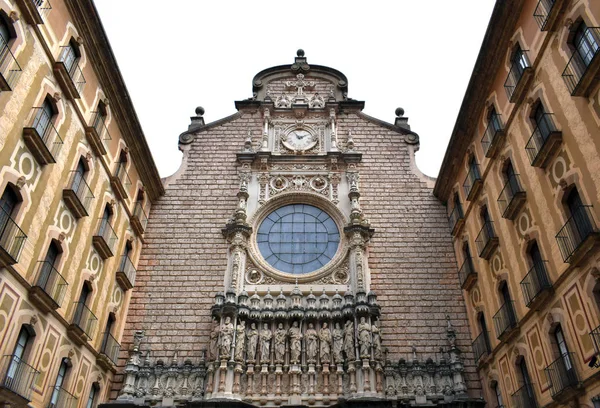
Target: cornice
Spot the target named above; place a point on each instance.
(86, 19)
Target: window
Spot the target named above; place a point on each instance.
(14, 371)
(79, 175)
(561, 345)
(458, 206)
(542, 122)
(498, 394)
(107, 332)
(494, 120)
(526, 380)
(483, 330)
(585, 43)
(8, 202)
(507, 303)
(94, 391)
(467, 255)
(80, 316)
(487, 223)
(43, 118)
(60, 380)
(5, 36)
(105, 220)
(518, 62)
(48, 264)
(474, 168)
(71, 56)
(581, 221)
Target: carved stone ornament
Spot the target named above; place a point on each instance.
(14, 16)
(20, 182)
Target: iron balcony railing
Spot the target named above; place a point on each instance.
(544, 128)
(542, 13)
(80, 187)
(524, 397)
(505, 319)
(481, 346)
(107, 232)
(110, 347)
(98, 123)
(561, 374)
(511, 189)
(485, 237)
(43, 7)
(17, 376)
(42, 123)
(515, 74)
(51, 282)
(122, 175)
(126, 267)
(492, 131)
(9, 67)
(84, 319)
(575, 231)
(473, 176)
(455, 216)
(72, 66)
(62, 398)
(595, 335)
(139, 212)
(12, 237)
(467, 269)
(535, 282)
(579, 62)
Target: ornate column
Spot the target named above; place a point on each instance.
(131, 369)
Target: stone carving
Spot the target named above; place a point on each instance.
(253, 276)
(214, 340)
(300, 84)
(311, 343)
(252, 341)
(377, 351)
(364, 338)
(240, 341)
(349, 340)
(283, 101)
(279, 339)
(315, 183)
(295, 335)
(338, 344)
(325, 344)
(226, 338)
(265, 344)
(317, 101)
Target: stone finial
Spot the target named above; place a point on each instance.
(401, 121)
(198, 120)
(300, 53)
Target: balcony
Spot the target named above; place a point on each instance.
(105, 240)
(518, 78)
(12, 240)
(83, 324)
(544, 142)
(126, 273)
(10, 70)
(546, 12)
(109, 352)
(562, 377)
(493, 137)
(68, 73)
(595, 335)
(524, 397)
(536, 285)
(49, 290)
(467, 276)
(16, 381)
(487, 240)
(41, 137)
(97, 134)
(78, 195)
(456, 219)
(120, 181)
(512, 198)
(578, 236)
(581, 71)
(505, 321)
(61, 398)
(139, 220)
(34, 11)
(481, 346)
(472, 183)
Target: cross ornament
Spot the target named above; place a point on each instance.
(300, 83)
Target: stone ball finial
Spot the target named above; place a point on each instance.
(300, 53)
(399, 112)
(199, 111)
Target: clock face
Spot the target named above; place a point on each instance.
(299, 139)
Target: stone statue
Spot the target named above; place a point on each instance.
(226, 338)
(338, 344)
(265, 344)
(214, 341)
(252, 338)
(280, 335)
(377, 352)
(349, 340)
(295, 343)
(364, 338)
(311, 343)
(325, 344)
(240, 341)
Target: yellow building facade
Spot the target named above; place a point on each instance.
(76, 183)
(522, 184)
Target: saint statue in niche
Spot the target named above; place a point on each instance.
(325, 344)
(364, 338)
(311, 343)
(240, 340)
(338, 344)
(280, 335)
(265, 344)
(295, 343)
(252, 337)
(226, 338)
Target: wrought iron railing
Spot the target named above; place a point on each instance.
(106, 231)
(61, 398)
(110, 347)
(485, 236)
(510, 190)
(80, 187)
(43, 6)
(72, 66)
(505, 318)
(579, 62)
(122, 175)
(524, 397)
(9, 67)
(472, 177)
(542, 12)
(98, 123)
(42, 123)
(51, 282)
(481, 346)
(17, 376)
(595, 335)
(516, 73)
(493, 129)
(127, 268)
(84, 319)
(535, 282)
(575, 231)
(12, 237)
(465, 271)
(561, 373)
(139, 212)
(544, 128)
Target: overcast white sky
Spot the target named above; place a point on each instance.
(415, 54)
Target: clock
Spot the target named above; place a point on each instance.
(299, 140)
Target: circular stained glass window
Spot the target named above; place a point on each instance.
(298, 238)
